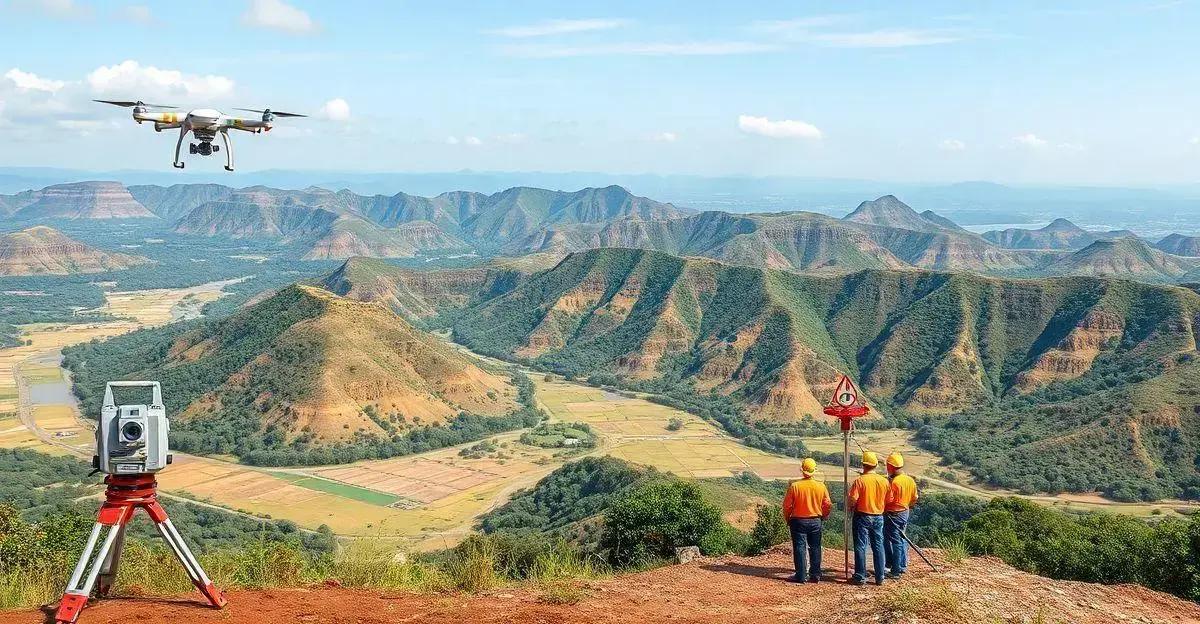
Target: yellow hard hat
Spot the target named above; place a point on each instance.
(808, 466)
(870, 458)
(895, 460)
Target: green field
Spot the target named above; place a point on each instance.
(340, 489)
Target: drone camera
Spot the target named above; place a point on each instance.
(204, 149)
(132, 438)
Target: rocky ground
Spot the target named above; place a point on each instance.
(725, 590)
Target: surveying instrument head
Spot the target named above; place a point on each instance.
(131, 446)
(131, 439)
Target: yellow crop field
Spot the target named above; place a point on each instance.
(635, 430)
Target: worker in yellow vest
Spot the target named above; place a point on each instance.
(868, 497)
(805, 507)
(902, 495)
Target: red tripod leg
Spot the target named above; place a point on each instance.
(171, 535)
(108, 571)
(113, 519)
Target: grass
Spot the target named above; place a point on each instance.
(914, 601)
(555, 571)
(562, 593)
(344, 490)
(954, 549)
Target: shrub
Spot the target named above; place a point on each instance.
(650, 521)
(769, 530)
(724, 539)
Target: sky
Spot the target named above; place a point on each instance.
(1022, 91)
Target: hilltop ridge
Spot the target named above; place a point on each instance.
(725, 590)
(42, 250)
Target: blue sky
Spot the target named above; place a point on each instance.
(1024, 92)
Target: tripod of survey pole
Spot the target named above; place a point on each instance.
(125, 495)
(846, 415)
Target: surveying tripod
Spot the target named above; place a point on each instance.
(125, 495)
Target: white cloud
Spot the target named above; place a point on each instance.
(473, 141)
(59, 9)
(132, 80)
(782, 129)
(336, 109)
(693, 48)
(1031, 140)
(558, 27)
(26, 81)
(952, 145)
(816, 30)
(136, 13)
(1035, 142)
(798, 25)
(278, 15)
(86, 126)
(887, 38)
(665, 137)
(510, 138)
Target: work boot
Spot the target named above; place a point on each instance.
(795, 578)
(814, 580)
(893, 575)
(858, 581)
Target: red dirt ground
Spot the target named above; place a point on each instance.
(726, 591)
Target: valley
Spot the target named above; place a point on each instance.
(382, 397)
(428, 500)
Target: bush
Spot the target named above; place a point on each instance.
(723, 540)
(769, 530)
(649, 522)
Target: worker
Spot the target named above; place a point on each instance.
(868, 497)
(805, 506)
(902, 495)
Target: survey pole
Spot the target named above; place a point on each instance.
(846, 406)
(846, 501)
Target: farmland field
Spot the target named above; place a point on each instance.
(635, 430)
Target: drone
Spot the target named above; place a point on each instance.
(204, 123)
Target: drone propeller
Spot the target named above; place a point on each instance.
(132, 104)
(268, 111)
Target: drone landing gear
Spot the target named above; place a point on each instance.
(126, 494)
(178, 164)
(228, 150)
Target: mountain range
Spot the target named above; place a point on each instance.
(41, 250)
(321, 224)
(924, 341)
(1030, 383)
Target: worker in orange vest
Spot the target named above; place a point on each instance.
(902, 495)
(805, 507)
(868, 497)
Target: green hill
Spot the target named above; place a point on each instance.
(305, 376)
(1131, 258)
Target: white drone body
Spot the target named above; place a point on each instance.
(204, 123)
